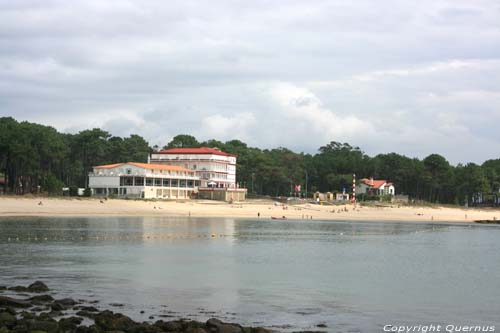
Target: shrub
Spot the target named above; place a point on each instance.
(53, 185)
(73, 191)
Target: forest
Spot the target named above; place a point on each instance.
(38, 158)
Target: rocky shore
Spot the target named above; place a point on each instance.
(33, 310)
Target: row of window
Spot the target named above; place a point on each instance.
(206, 175)
(164, 182)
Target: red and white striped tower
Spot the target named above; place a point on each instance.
(354, 188)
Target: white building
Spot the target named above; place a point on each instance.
(141, 180)
(375, 187)
(214, 167)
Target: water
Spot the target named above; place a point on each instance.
(287, 275)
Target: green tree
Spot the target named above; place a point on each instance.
(182, 141)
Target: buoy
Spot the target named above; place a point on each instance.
(213, 235)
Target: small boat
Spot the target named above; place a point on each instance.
(278, 217)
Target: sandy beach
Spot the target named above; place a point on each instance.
(15, 206)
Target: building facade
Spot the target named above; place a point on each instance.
(214, 168)
(375, 187)
(141, 180)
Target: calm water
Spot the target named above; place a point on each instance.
(290, 275)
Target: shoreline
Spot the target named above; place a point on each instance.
(254, 208)
(35, 308)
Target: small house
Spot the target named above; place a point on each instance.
(372, 186)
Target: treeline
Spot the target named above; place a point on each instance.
(33, 155)
(37, 158)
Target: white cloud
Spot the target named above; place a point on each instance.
(223, 127)
(302, 106)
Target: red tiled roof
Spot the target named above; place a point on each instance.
(145, 166)
(376, 183)
(201, 150)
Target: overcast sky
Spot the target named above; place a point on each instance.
(409, 76)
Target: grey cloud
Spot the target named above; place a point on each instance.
(414, 77)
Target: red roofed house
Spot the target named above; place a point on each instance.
(375, 187)
(215, 168)
(141, 180)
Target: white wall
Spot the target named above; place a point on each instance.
(104, 181)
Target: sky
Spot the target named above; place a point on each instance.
(414, 77)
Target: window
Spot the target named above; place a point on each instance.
(157, 181)
(126, 181)
(149, 181)
(166, 182)
(182, 183)
(174, 182)
(190, 183)
(139, 181)
(194, 166)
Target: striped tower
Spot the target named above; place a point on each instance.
(354, 188)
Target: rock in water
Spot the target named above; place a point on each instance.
(17, 303)
(217, 326)
(38, 287)
(7, 320)
(110, 321)
(41, 299)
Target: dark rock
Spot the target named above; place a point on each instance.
(56, 306)
(17, 303)
(7, 320)
(45, 316)
(41, 299)
(38, 287)
(3, 288)
(118, 305)
(142, 311)
(170, 326)
(145, 328)
(195, 330)
(85, 313)
(87, 308)
(11, 311)
(19, 289)
(85, 329)
(259, 330)
(37, 309)
(69, 324)
(151, 317)
(67, 302)
(53, 314)
(217, 326)
(110, 321)
(27, 315)
(46, 326)
(321, 325)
